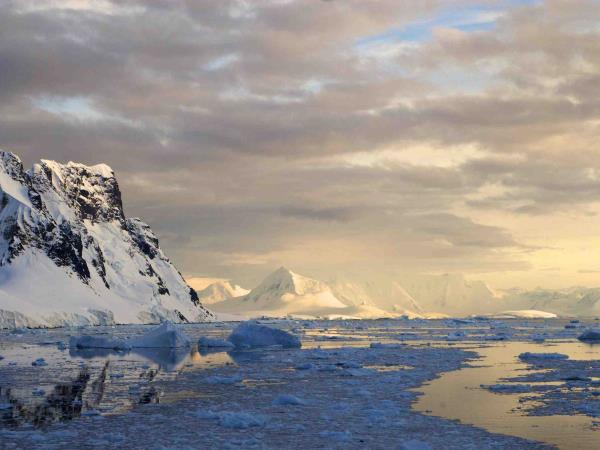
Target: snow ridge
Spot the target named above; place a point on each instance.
(220, 291)
(285, 293)
(69, 256)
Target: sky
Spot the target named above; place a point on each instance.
(337, 138)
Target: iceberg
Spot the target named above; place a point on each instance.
(250, 334)
(166, 335)
(590, 336)
(86, 341)
(205, 342)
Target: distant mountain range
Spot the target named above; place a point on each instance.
(574, 301)
(286, 293)
(220, 291)
(69, 256)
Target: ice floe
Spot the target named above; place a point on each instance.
(527, 356)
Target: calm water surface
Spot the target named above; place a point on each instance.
(457, 395)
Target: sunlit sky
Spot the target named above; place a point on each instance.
(333, 137)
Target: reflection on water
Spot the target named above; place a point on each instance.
(94, 381)
(458, 395)
(168, 359)
(62, 404)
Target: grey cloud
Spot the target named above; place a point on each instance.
(236, 160)
(326, 214)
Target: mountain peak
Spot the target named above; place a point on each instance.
(9, 159)
(220, 291)
(284, 281)
(282, 270)
(62, 226)
(92, 191)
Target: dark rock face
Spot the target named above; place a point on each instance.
(71, 212)
(143, 237)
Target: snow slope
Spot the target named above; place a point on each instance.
(69, 256)
(451, 294)
(286, 293)
(220, 291)
(525, 314)
(390, 297)
(574, 301)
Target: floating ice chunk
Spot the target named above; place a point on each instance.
(351, 365)
(528, 356)
(39, 392)
(250, 334)
(576, 377)
(216, 379)
(358, 372)
(288, 399)
(414, 444)
(496, 337)
(39, 362)
(381, 345)
(86, 341)
(237, 420)
(339, 436)
(455, 336)
(508, 388)
(205, 342)
(590, 335)
(166, 335)
(304, 366)
(461, 321)
(589, 408)
(91, 412)
(319, 354)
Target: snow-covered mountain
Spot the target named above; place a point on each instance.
(68, 254)
(451, 294)
(285, 293)
(220, 291)
(390, 297)
(574, 301)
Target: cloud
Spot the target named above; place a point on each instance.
(431, 135)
